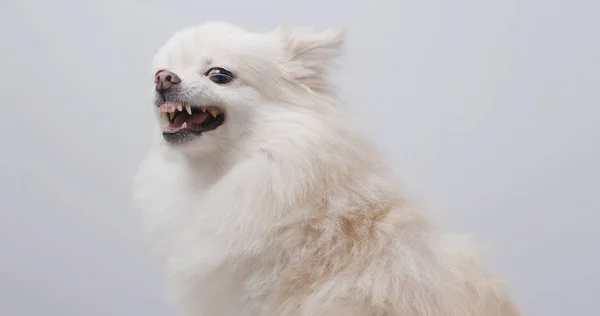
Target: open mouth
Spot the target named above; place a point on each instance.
(184, 118)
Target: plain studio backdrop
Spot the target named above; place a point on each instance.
(488, 111)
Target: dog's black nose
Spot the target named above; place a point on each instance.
(164, 80)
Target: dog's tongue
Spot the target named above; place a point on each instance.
(190, 120)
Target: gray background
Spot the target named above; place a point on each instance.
(487, 109)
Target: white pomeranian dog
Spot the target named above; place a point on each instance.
(265, 198)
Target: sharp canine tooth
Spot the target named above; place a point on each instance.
(188, 108)
(184, 125)
(179, 107)
(214, 112)
(171, 115)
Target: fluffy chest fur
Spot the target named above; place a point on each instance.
(252, 241)
(195, 230)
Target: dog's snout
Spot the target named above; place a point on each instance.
(165, 79)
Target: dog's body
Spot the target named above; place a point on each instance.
(285, 208)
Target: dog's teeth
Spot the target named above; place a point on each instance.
(184, 125)
(214, 112)
(188, 108)
(179, 107)
(161, 112)
(203, 109)
(171, 115)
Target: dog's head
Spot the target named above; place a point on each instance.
(216, 84)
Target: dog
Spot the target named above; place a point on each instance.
(264, 196)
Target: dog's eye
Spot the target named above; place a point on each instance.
(219, 75)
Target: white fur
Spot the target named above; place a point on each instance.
(286, 209)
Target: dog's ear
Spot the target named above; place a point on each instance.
(309, 55)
